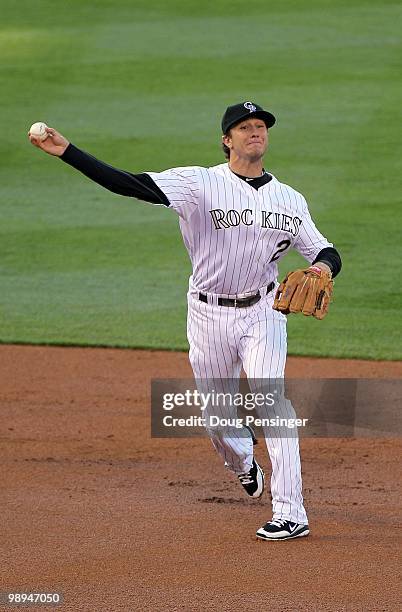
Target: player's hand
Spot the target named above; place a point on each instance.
(55, 143)
(308, 291)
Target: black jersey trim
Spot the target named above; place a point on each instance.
(256, 182)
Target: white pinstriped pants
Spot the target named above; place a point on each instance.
(222, 340)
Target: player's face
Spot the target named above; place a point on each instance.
(248, 139)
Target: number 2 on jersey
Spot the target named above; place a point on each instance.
(282, 246)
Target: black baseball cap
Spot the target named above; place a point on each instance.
(239, 112)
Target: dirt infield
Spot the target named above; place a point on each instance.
(92, 507)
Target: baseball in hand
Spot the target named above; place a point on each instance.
(39, 130)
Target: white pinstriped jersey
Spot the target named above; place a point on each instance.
(235, 234)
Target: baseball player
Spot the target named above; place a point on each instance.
(237, 221)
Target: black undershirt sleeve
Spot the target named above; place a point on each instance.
(124, 183)
(331, 257)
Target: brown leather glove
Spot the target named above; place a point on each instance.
(308, 291)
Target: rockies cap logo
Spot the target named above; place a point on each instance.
(250, 106)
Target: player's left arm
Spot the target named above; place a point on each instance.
(314, 246)
(329, 260)
(309, 291)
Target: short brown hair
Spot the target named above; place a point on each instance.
(226, 150)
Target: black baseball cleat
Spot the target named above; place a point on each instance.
(253, 481)
(279, 529)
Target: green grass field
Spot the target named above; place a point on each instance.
(143, 86)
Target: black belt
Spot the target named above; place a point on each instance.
(238, 302)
